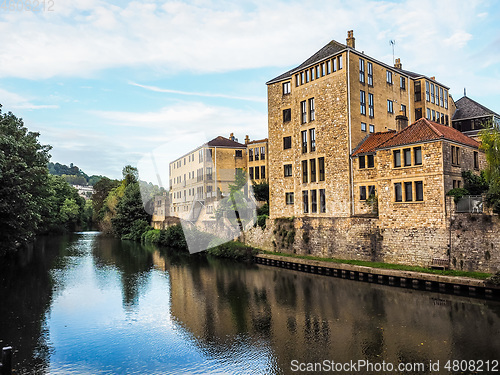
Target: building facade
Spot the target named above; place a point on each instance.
(257, 159)
(321, 110)
(471, 117)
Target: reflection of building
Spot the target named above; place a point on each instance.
(321, 110)
(411, 171)
(470, 116)
(202, 176)
(257, 160)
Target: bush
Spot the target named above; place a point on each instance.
(261, 221)
(151, 236)
(264, 210)
(139, 227)
(457, 193)
(173, 237)
(233, 250)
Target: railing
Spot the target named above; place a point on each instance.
(470, 203)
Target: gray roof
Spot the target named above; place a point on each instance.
(329, 50)
(225, 142)
(468, 108)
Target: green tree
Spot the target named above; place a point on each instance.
(261, 191)
(23, 181)
(129, 210)
(490, 143)
(101, 191)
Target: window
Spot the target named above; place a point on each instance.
(321, 169)
(417, 155)
(371, 112)
(362, 102)
(250, 173)
(305, 201)
(288, 170)
(263, 171)
(446, 117)
(311, 109)
(304, 171)
(303, 112)
(438, 116)
(307, 76)
(455, 153)
(361, 160)
(287, 142)
(317, 71)
(446, 101)
(287, 88)
(442, 118)
(263, 153)
(370, 74)
(427, 94)
(432, 93)
(476, 160)
(389, 77)
(323, 72)
(418, 113)
(313, 76)
(297, 80)
(238, 154)
(287, 115)
(370, 161)
(312, 164)
(418, 91)
(397, 158)
(398, 192)
(402, 83)
(256, 173)
(408, 192)
(314, 202)
(209, 173)
(362, 193)
(328, 67)
(441, 99)
(250, 154)
(200, 156)
(371, 190)
(322, 201)
(363, 127)
(304, 141)
(361, 70)
(312, 139)
(302, 78)
(419, 191)
(390, 108)
(433, 115)
(428, 114)
(407, 156)
(340, 62)
(403, 108)
(372, 128)
(334, 64)
(289, 198)
(256, 153)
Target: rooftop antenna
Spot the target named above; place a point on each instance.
(392, 42)
(465, 92)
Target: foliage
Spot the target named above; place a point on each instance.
(101, 192)
(137, 231)
(72, 174)
(490, 144)
(233, 250)
(261, 191)
(261, 221)
(457, 193)
(128, 209)
(372, 203)
(130, 175)
(475, 184)
(264, 210)
(23, 181)
(494, 279)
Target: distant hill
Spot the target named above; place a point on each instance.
(72, 174)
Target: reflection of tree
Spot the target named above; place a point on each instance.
(133, 260)
(26, 293)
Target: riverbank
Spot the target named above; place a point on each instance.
(473, 287)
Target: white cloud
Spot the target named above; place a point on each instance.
(11, 100)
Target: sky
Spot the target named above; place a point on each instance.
(111, 83)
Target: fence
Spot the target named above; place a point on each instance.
(470, 203)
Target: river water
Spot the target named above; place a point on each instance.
(86, 304)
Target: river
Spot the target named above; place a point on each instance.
(87, 304)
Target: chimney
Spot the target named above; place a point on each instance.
(433, 78)
(398, 64)
(247, 139)
(350, 41)
(401, 121)
(231, 136)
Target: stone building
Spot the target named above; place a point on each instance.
(408, 173)
(257, 160)
(470, 117)
(202, 176)
(321, 110)
(161, 208)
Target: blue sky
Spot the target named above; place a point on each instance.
(111, 83)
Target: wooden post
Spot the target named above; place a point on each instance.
(6, 361)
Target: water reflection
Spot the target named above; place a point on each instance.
(85, 304)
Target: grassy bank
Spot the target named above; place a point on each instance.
(475, 275)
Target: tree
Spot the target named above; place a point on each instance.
(490, 143)
(129, 210)
(261, 191)
(101, 191)
(23, 181)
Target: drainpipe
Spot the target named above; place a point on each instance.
(351, 186)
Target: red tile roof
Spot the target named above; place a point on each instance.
(424, 130)
(373, 141)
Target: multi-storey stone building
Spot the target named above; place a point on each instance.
(257, 160)
(470, 117)
(321, 110)
(202, 176)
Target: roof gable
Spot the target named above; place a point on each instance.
(424, 130)
(224, 142)
(468, 108)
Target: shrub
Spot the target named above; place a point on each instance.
(233, 250)
(457, 193)
(139, 227)
(261, 221)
